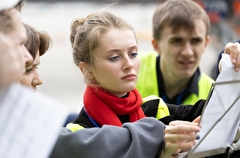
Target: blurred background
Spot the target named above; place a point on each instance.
(63, 81)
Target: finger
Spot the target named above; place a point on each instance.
(220, 65)
(175, 148)
(234, 52)
(227, 49)
(237, 58)
(177, 123)
(181, 129)
(187, 146)
(197, 120)
(231, 49)
(172, 149)
(184, 137)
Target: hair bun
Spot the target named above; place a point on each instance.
(74, 27)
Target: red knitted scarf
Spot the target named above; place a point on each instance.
(104, 107)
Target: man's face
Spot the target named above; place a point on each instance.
(19, 37)
(181, 52)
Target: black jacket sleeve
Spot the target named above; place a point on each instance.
(183, 112)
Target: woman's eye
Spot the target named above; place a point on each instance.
(114, 58)
(133, 55)
(31, 69)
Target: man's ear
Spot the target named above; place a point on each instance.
(156, 46)
(207, 41)
(86, 70)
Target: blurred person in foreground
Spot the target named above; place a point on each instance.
(13, 54)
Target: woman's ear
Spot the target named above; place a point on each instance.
(86, 70)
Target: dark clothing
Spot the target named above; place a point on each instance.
(186, 113)
(142, 139)
(179, 98)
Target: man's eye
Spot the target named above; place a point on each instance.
(176, 41)
(195, 41)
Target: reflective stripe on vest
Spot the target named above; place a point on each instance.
(162, 110)
(74, 127)
(147, 83)
(204, 86)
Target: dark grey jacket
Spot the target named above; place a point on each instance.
(142, 139)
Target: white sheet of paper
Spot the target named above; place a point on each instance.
(221, 117)
(29, 122)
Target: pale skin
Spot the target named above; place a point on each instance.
(179, 137)
(233, 49)
(13, 49)
(115, 68)
(180, 53)
(116, 62)
(31, 77)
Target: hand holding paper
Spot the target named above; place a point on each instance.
(233, 49)
(221, 115)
